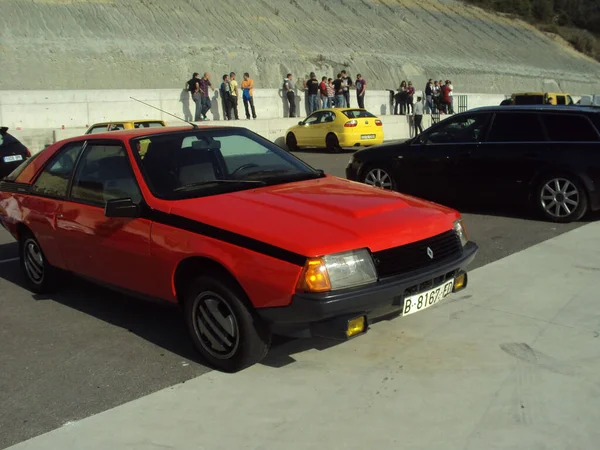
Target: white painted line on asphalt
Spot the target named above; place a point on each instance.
(9, 260)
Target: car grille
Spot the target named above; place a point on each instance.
(416, 255)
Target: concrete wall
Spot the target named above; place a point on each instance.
(40, 118)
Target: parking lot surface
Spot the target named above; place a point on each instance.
(86, 350)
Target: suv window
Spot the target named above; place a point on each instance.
(54, 179)
(465, 129)
(103, 174)
(516, 127)
(569, 128)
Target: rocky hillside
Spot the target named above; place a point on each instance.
(95, 44)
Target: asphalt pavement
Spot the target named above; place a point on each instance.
(86, 350)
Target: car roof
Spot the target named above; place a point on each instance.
(127, 121)
(535, 108)
(137, 132)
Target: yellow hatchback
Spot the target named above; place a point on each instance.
(102, 127)
(336, 128)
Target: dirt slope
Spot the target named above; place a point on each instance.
(79, 44)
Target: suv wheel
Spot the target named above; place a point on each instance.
(561, 198)
(224, 330)
(379, 178)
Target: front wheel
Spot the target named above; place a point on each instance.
(222, 325)
(561, 198)
(41, 276)
(379, 177)
(291, 142)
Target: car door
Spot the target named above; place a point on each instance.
(320, 128)
(48, 194)
(502, 166)
(435, 159)
(307, 133)
(115, 251)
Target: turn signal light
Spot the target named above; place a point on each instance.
(351, 123)
(314, 277)
(378, 123)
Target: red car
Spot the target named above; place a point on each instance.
(246, 237)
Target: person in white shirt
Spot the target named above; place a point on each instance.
(418, 115)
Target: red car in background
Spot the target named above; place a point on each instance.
(246, 237)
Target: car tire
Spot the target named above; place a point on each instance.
(41, 276)
(332, 143)
(223, 326)
(561, 198)
(379, 177)
(291, 142)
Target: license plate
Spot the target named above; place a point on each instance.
(419, 302)
(367, 136)
(13, 158)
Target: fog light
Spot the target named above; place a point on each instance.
(355, 326)
(460, 282)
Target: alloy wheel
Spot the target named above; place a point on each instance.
(33, 261)
(379, 178)
(560, 197)
(216, 325)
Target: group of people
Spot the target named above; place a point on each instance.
(327, 93)
(438, 97)
(199, 87)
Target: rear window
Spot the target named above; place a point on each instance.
(569, 128)
(516, 128)
(20, 168)
(529, 100)
(357, 113)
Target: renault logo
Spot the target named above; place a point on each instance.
(430, 252)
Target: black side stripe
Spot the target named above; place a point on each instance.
(220, 234)
(16, 188)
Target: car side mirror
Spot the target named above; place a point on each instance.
(121, 207)
(301, 123)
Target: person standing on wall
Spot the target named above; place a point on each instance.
(418, 116)
(323, 93)
(204, 85)
(312, 84)
(234, 95)
(226, 97)
(347, 83)
(289, 94)
(429, 97)
(248, 95)
(361, 88)
(339, 91)
(194, 89)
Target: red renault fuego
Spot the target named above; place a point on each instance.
(247, 238)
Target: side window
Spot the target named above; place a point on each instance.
(561, 100)
(465, 129)
(54, 179)
(569, 128)
(104, 173)
(313, 119)
(516, 128)
(327, 117)
(116, 127)
(98, 129)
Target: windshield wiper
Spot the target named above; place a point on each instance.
(217, 182)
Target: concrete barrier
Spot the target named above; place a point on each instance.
(394, 127)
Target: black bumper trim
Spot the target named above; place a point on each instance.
(307, 308)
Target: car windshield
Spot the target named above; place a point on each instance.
(356, 113)
(207, 162)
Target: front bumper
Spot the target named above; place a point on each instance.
(323, 314)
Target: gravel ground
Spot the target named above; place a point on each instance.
(84, 44)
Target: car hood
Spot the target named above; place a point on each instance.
(321, 216)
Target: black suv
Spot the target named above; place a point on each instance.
(12, 152)
(547, 156)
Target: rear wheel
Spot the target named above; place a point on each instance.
(379, 177)
(41, 276)
(223, 328)
(291, 142)
(561, 198)
(332, 143)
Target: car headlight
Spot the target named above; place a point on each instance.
(461, 231)
(338, 271)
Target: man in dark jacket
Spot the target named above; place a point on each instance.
(288, 91)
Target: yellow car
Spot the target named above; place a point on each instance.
(541, 98)
(124, 125)
(336, 128)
